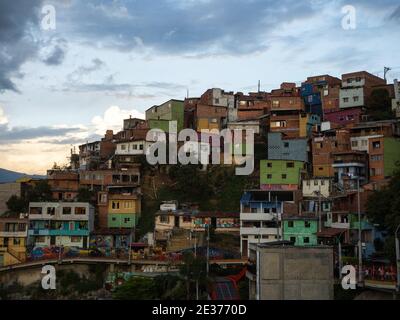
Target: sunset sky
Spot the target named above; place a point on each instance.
(107, 60)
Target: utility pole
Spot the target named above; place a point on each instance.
(359, 233)
(385, 71)
(319, 210)
(208, 248)
(398, 259)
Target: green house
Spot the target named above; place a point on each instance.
(121, 221)
(280, 172)
(159, 117)
(301, 230)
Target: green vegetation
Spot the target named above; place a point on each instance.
(380, 105)
(383, 208)
(41, 191)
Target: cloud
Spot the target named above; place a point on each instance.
(176, 26)
(112, 119)
(54, 51)
(3, 118)
(17, 44)
(95, 65)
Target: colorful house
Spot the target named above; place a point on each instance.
(160, 116)
(123, 210)
(300, 230)
(65, 224)
(280, 174)
(13, 236)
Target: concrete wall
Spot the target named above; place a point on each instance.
(289, 273)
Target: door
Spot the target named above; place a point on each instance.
(52, 240)
(1, 260)
(84, 242)
(244, 248)
(214, 223)
(177, 222)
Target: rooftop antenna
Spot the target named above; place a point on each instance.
(385, 71)
(259, 85)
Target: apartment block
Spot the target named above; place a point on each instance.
(65, 224)
(281, 174)
(260, 216)
(253, 105)
(281, 148)
(323, 148)
(159, 117)
(13, 239)
(357, 88)
(300, 230)
(123, 210)
(64, 184)
(92, 155)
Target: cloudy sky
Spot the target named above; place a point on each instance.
(106, 60)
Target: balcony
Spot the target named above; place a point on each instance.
(340, 225)
(52, 232)
(13, 234)
(258, 231)
(258, 216)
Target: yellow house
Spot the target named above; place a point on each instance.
(13, 240)
(123, 210)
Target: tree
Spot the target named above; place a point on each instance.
(137, 288)
(86, 195)
(16, 204)
(383, 208)
(193, 270)
(380, 105)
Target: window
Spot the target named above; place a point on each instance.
(376, 144)
(16, 241)
(286, 144)
(315, 182)
(307, 224)
(135, 147)
(216, 100)
(269, 165)
(115, 204)
(290, 224)
(123, 146)
(187, 219)
(306, 240)
(80, 210)
(308, 183)
(354, 143)
(114, 219)
(127, 220)
(275, 103)
(40, 239)
(141, 146)
(253, 210)
(345, 99)
(269, 176)
(51, 211)
(284, 176)
(355, 99)
(290, 165)
(293, 239)
(364, 143)
(164, 219)
(76, 239)
(66, 210)
(322, 182)
(376, 158)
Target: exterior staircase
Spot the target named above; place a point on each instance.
(180, 240)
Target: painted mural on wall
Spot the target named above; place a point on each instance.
(53, 252)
